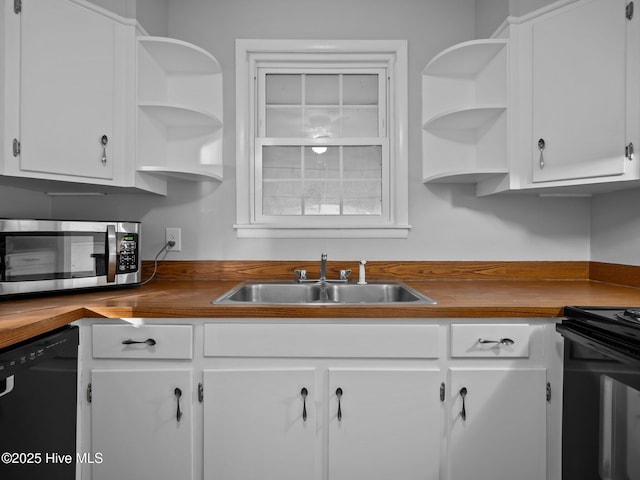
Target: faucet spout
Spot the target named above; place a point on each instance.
(323, 267)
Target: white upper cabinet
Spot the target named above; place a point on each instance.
(464, 98)
(579, 71)
(88, 102)
(62, 94)
(67, 121)
(558, 107)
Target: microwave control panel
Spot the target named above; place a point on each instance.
(127, 259)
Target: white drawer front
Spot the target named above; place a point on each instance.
(490, 340)
(158, 341)
(291, 340)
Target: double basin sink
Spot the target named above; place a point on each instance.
(323, 293)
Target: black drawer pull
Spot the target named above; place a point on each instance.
(149, 341)
(502, 341)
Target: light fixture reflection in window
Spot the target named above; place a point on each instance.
(319, 150)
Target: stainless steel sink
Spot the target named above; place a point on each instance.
(267, 292)
(323, 293)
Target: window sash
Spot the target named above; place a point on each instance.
(340, 106)
(323, 220)
(381, 140)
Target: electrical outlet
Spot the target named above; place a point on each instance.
(173, 234)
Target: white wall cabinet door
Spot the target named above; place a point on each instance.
(384, 423)
(258, 424)
(142, 424)
(579, 91)
(502, 432)
(67, 80)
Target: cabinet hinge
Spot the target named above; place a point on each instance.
(548, 391)
(200, 393)
(628, 151)
(17, 6)
(629, 11)
(442, 391)
(16, 147)
(89, 393)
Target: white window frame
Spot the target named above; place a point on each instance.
(253, 54)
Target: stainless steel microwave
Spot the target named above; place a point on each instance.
(51, 255)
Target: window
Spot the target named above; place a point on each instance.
(321, 138)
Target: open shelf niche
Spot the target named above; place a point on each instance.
(464, 113)
(179, 110)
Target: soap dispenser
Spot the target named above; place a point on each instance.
(361, 273)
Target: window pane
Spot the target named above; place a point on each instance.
(362, 198)
(281, 163)
(360, 89)
(322, 89)
(322, 197)
(321, 122)
(282, 198)
(362, 162)
(284, 122)
(324, 164)
(360, 122)
(283, 89)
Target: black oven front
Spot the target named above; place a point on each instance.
(601, 403)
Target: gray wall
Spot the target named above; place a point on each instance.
(615, 227)
(449, 222)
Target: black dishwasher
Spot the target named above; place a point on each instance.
(38, 397)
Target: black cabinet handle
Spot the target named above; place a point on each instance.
(149, 341)
(463, 394)
(339, 395)
(502, 341)
(304, 392)
(178, 393)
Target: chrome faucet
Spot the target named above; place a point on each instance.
(301, 275)
(323, 267)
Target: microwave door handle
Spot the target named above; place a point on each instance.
(111, 253)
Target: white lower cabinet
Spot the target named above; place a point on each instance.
(136, 401)
(369, 423)
(254, 424)
(142, 423)
(311, 399)
(496, 420)
(384, 423)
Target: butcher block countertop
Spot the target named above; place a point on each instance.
(462, 289)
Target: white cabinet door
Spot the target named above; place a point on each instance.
(142, 424)
(388, 425)
(67, 81)
(255, 425)
(502, 433)
(579, 91)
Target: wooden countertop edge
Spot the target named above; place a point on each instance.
(25, 319)
(41, 323)
(45, 322)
